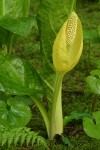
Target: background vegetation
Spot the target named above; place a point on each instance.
(77, 96)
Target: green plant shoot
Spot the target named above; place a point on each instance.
(67, 50)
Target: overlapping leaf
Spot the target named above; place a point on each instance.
(18, 77)
(21, 26)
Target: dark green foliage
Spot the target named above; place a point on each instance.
(91, 35)
(14, 9)
(77, 116)
(18, 77)
(93, 81)
(20, 136)
(20, 26)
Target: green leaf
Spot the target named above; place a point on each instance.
(91, 129)
(34, 138)
(17, 135)
(66, 141)
(76, 116)
(51, 16)
(28, 138)
(21, 26)
(25, 99)
(18, 77)
(91, 35)
(41, 141)
(14, 114)
(14, 18)
(93, 81)
(14, 8)
(5, 137)
(22, 138)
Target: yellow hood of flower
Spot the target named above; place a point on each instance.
(68, 44)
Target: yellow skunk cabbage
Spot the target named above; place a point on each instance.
(68, 44)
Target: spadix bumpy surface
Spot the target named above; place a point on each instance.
(68, 44)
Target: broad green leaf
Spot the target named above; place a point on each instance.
(91, 35)
(91, 129)
(14, 114)
(14, 8)
(18, 77)
(51, 16)
(93, 81)
(21, 26)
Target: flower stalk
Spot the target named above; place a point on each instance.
(67, 50)
(56, 116)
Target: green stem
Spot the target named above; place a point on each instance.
(56, 117)
(43, 111)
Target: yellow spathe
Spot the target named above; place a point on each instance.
(68, 45)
